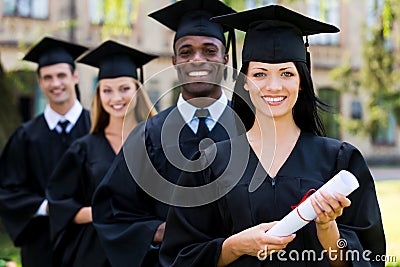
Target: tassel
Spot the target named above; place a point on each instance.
(308, 55)
(234, 56)
(141, 75)
(232, 41)
(225, 73)
(77, 92)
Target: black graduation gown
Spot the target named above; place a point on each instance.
(194, 236)
(71, 188)
(26, 164)
(124, 216)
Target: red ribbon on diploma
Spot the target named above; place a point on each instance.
(309, 193)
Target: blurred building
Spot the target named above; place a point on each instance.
(23, 22)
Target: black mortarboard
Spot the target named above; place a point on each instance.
(116, 60)
(50, 51)
(192, 17)
(274, 34)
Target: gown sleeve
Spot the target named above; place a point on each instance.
(194, 235)
(361, 223)
(19, 201)
(123, 218)
(66, 189)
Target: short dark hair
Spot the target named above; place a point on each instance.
(71, 66)
(305, 111)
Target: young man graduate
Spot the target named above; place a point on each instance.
(34, 149)
(130, 219)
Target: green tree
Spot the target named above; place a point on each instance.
(9, 117)
(379, 75)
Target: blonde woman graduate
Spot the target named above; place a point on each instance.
(119, 104)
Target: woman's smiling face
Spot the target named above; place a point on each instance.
(116, 95)
(273, 88)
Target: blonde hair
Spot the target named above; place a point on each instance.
(100, 118)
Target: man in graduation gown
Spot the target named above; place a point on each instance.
(35, 147)
(130, 219)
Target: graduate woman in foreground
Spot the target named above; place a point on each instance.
(286, 156)
(118, 106)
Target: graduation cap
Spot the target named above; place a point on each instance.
(192, 17)
(50, 51)
(274, 34)
(116, 60)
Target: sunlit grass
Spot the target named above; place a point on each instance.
(389, 199)
(7, 250)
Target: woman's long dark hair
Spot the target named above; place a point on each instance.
(305, 111)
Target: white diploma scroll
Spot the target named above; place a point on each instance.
(344, 183)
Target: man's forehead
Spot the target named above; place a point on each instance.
(56, 68)
(198, 41)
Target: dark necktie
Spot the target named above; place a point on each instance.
(202, 115)
(63, 125)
